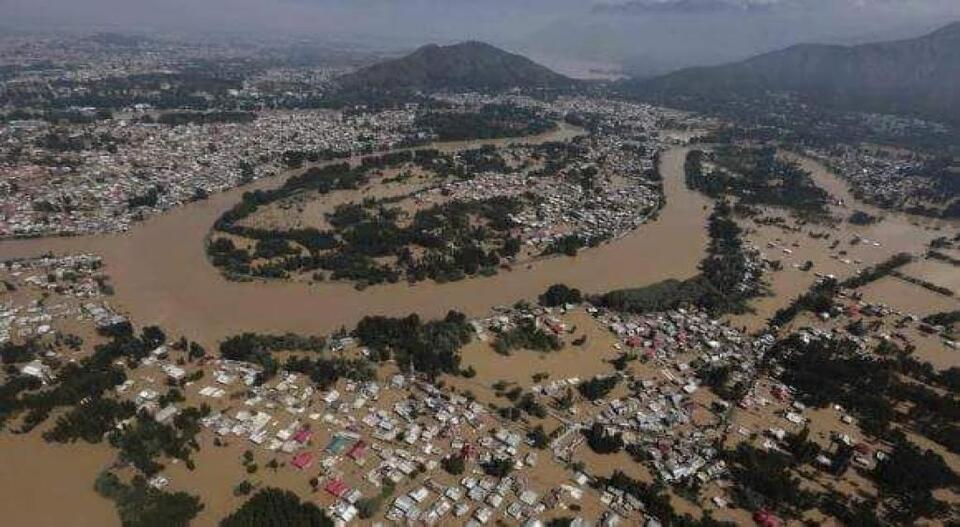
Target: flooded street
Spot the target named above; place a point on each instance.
(161, 274)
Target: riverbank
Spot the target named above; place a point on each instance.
(162, 276)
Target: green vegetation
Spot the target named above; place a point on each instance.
(140, 505)
(568, 245)
(372, 243)
(598, 387)
(724, 284)
(498, 467)
(907, 478)
(947, 319)
(936, 255)
(859, 217)
(454, 464)
(882, 269)
(327, 371)
(656, 500)
(432, 347)
(836, 371)
(145, 440)
(258, 349)
(271, 507)
(90, 422)
(368, 507)
(818, 299)
(559, 295)
(755, 176)
(85, 381)
(526, 335)
(661, 296)
(929, 286)
(11, 353)
(765, 481)
(601, 441)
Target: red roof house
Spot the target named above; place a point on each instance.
(302, 460)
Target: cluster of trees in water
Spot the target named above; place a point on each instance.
(88, 380)
(272, 507)
(755, 176)
(455, 239)
(140, 505)
(431, 347)
(307, 355)
(453, 244)
(656, 501)
(82, 394)
(489, 122)
(258, 349)
(726, 280)
(559, 295)
(526, 335)
(820, 297)
(888, 390)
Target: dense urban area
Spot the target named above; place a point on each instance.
(784, 350)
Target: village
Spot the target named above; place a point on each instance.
(110, 173)
(894, 179)
(407, 449)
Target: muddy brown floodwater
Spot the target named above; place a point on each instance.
(162, 276)
(48, 485)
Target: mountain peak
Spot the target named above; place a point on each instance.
(465, 65)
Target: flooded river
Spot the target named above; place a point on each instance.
(161, 274)
(47, 485)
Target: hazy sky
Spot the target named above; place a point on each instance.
(650, 35)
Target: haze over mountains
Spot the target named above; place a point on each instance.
(919, 77)
(468, 65)
(644, 37)
(916, 77)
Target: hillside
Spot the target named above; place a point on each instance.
(916, 77)
(469, 65)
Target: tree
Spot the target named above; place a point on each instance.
(602, 441)
(140, 505)
(454, 464)
(272, 507)
(539, 437)
(598, 387)
(560, 294)
(498, 467)
(153, 337)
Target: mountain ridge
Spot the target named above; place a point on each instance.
(917, 77)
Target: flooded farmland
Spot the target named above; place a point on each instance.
(161, 274)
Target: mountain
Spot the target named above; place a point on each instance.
(468, 65)
(918, 77)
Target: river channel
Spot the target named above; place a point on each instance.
(162, 276)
